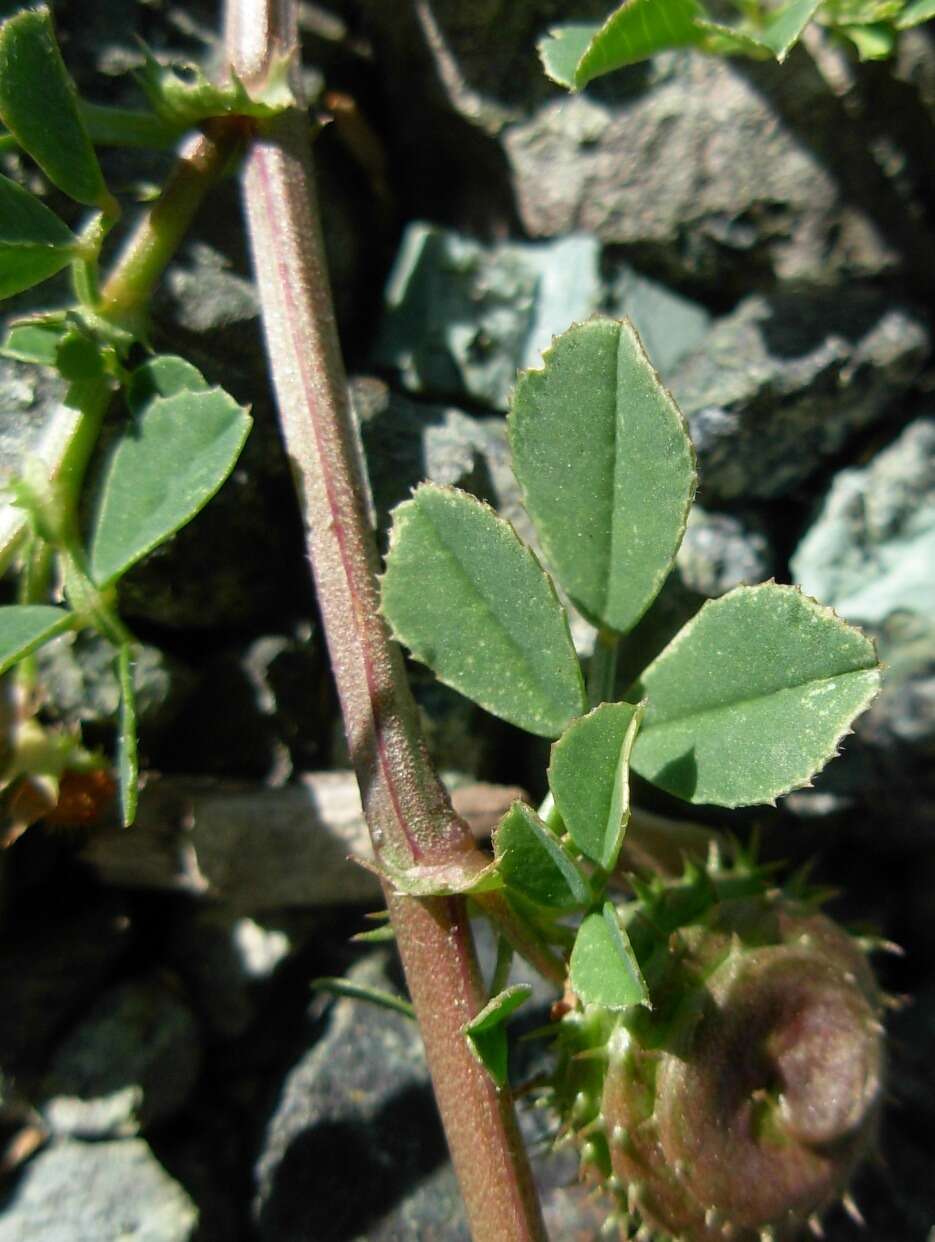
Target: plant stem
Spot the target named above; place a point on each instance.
(201, 162)
(407, 810)
(602, 672)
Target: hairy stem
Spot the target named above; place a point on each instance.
(128, 289)
(407, 810)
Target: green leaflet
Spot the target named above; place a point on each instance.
(561, 51)
(472, 602)
(603, 968)
(752, 697)
(166, 466)
(776, 36)
(574, 55)
(915, 13)
(25, 627)
(39, 106)
(532, 862)
(606, 467)
(874, 42)
(34, 243)
(486, 1032)
(127, 759)
(589, 779)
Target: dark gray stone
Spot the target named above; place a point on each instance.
(77, 673)
(48, 970)
(721, 551)
(258, 711)
(131, 1063)
(224, 957)
(462, 318)
(97, 1192)
(356, 1106)
(780, 384)
(697, 169)
(357, 1120)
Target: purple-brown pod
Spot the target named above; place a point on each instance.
(739, 1107)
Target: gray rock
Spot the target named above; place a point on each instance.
(670, 326)
(358, 1110)
(79, 680)
(870, 554)
(131, 1063)
(97, 1192)
(697, 169)
(224, 957)
(721, 551)
(462, 318)
(780, 384)
(28, 395)
(47, 972)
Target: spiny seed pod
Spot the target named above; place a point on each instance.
(739, 1107)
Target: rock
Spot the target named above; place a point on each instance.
(97, 1192)
(721, 551)
(258, 848)
(715, 171)
(224, 958)
(130, 1064)
(670, 326)
(260, 711)
(462, 318)
(869, 554)
(357, 1104)
(48, 970)
(79, 681)
(699, 170)
(780, 384)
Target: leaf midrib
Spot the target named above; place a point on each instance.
(650, 725)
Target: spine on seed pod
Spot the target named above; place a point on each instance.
(739, 1107)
